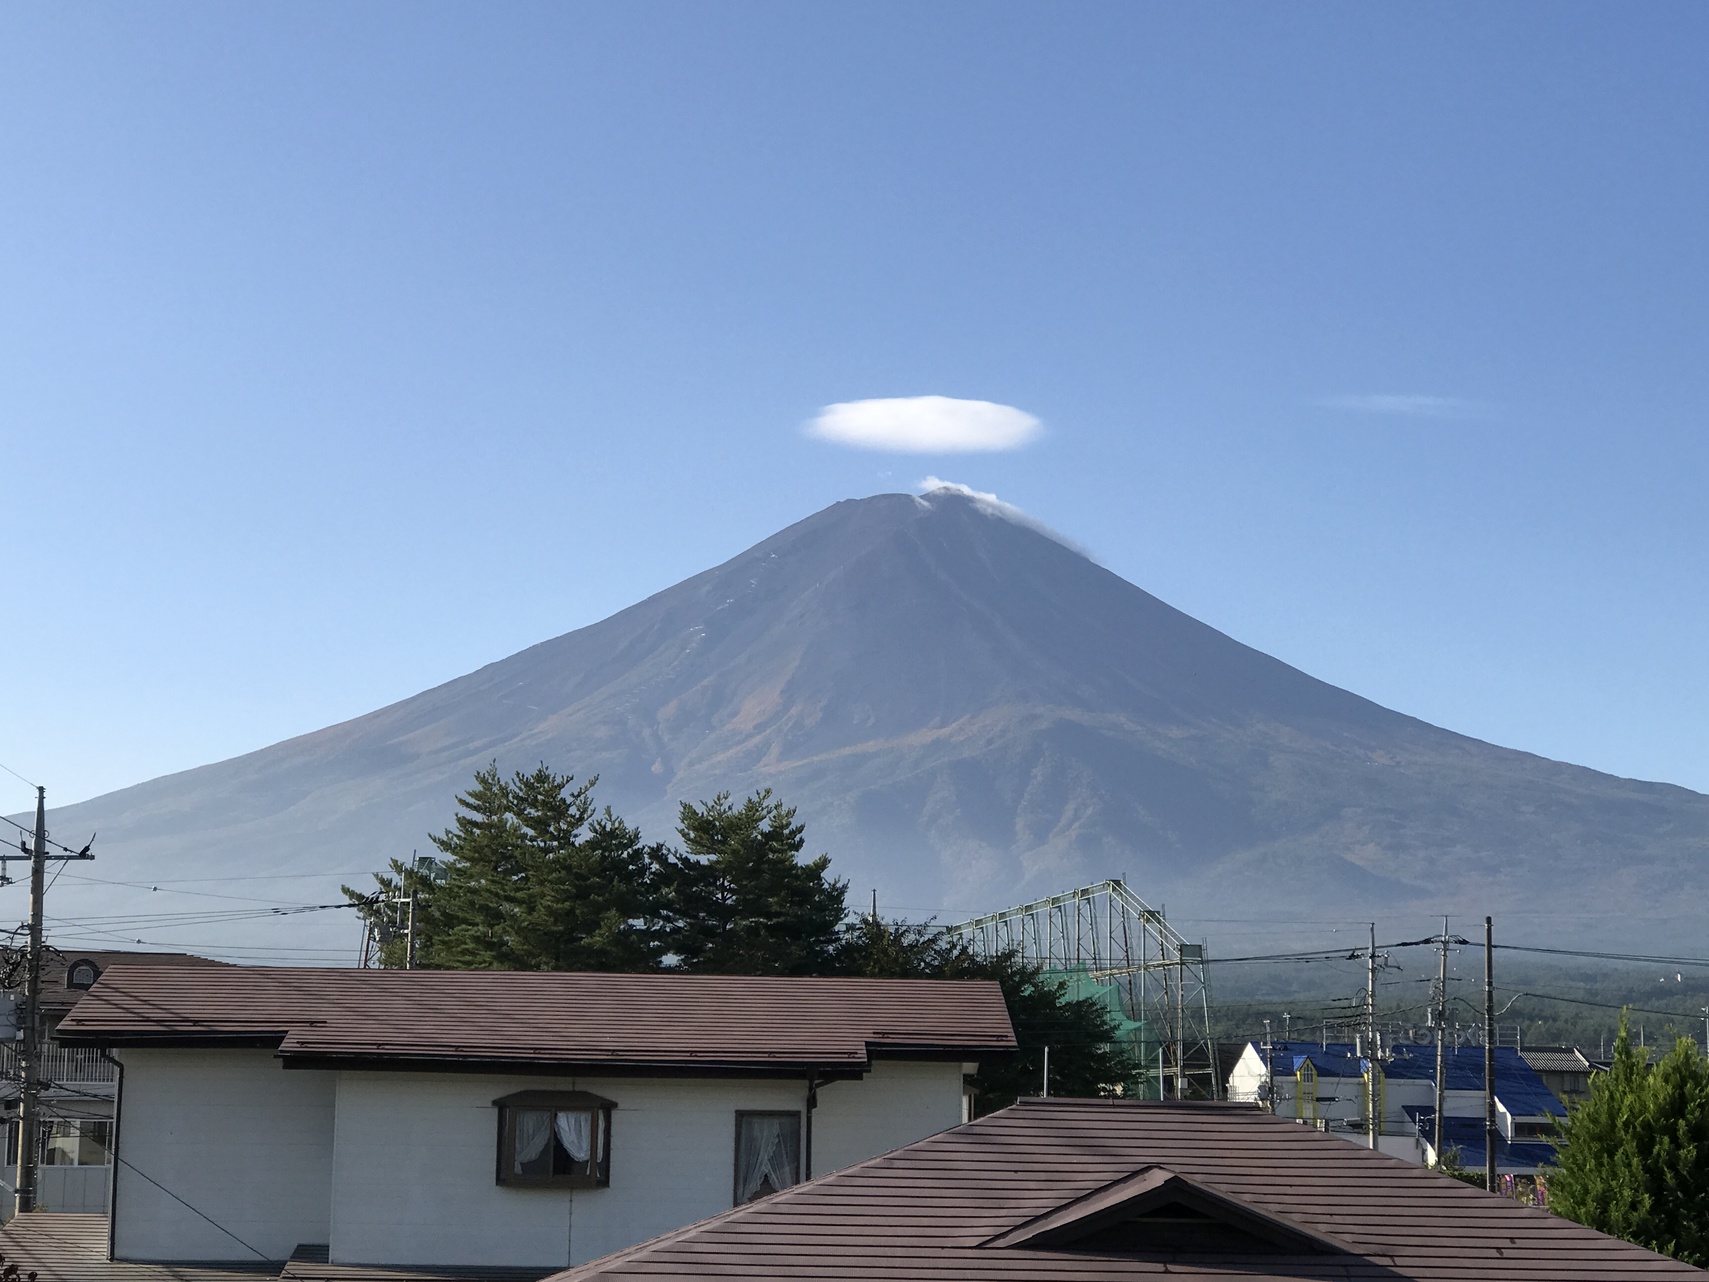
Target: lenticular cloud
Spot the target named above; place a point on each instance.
(925, 425)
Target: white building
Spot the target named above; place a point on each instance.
(465, 1118)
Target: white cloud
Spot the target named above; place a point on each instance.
(1409, 406)
(925, 425)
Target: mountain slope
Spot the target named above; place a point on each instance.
(967, 712)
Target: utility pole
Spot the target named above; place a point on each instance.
(1441, 1031)
(409, 940)
(1489, 1055)
(1180, 1022)
(1269, 1068)
(1371, 1040)
(29, 1092)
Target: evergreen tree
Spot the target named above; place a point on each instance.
(1634, 1157)
(737, 900)
(532, 879)
(1085, 1058)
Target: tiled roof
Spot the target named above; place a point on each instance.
(1558, 1060)
(571, 1019)
(959, 1205)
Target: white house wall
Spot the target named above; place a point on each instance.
(898, 1102)
(398, 1168)
(233, 1134)
(413, 1165)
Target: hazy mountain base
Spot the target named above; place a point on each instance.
(967, 713)
(1541, 1002)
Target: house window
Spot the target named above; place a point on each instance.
(768, 1154)
(77, 1142)
(558, 1139)
(82, 974)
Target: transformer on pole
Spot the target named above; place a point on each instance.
(1106, 934)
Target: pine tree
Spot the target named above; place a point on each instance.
(737, 900)
(532, 879)
(1634, 1157)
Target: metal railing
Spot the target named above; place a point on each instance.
(60, 1066)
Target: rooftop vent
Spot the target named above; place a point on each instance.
(1157, 1212)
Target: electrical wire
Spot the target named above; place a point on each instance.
(57, 845)
(8, 769)
(156, 887)
(1629, 957)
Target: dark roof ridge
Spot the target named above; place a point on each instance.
(1185, 1105)
(461, 973)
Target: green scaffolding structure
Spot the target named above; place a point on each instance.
(1134, 1037)
(1111, 946)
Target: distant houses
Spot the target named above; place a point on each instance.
(459, 1119)
(1326, 1085)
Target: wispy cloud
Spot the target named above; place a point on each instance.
(925, 425)
(1409, 406)
(991, 505)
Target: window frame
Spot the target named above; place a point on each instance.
(736, 1151)
(558, 1102)
(81, 1132)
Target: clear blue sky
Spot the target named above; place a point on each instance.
(344, 348)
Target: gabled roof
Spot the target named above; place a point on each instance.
(582, 1020)
(1336, 1059)
(968, 1204)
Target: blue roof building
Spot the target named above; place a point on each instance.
(1331, 1085)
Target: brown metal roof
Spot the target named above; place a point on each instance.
(582, 1019)
(948, 1208)
(57, 961)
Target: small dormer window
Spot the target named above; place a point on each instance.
(82, 974)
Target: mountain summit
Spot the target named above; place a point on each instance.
(968, 712)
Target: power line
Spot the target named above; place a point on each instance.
(48, 840)
(8, 769)
(156, 888)
(1630, 957)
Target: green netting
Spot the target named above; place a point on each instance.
(1133, 1036)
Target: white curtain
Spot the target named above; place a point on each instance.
(768, 1155)
(575, 1133)
(533, 1130)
